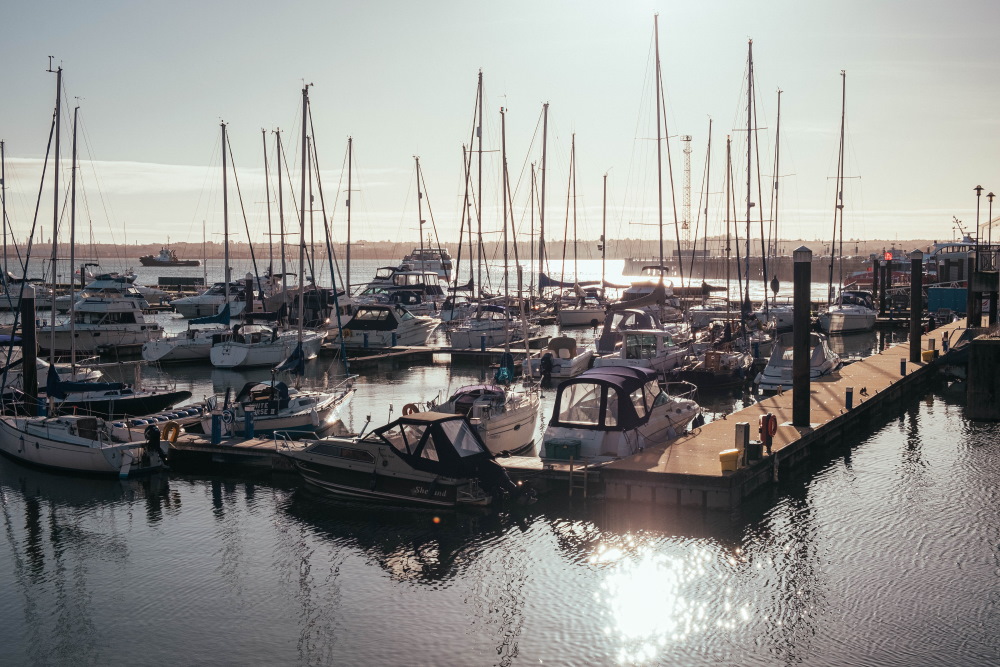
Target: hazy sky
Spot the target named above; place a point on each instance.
(155, 79)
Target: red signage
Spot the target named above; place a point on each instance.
(887, 256)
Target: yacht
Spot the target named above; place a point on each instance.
(425, 458)
(505, 418)
(585, 310)
(417, 289)
(561, 358)
(380, 326)
(249, 345)
(193, 344)
(210, 301)
(645, 348)
(278, 407)
(853, 311)
(615, 412)
(436, 260)
(493, 325)
(777, 375)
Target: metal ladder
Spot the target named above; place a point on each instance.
(578, 477)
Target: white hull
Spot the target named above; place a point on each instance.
(199, 306)
(95, 339)
(473, 339)
(512, 430)
(77, 454)
(230, 354)
(581, 317)
(561, 368)
(404, 336)
(177, 349)
(660, 364)
(847, 321)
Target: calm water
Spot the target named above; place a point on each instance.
(885, 552)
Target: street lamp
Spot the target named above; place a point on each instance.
(979, 191)
(989, 222)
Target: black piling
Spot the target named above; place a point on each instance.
(802, 299)
(916, 302)
(884, 268)
(29, 351)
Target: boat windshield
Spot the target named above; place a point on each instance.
(461, 436)
(581, 404)
(640, 346)
(405, 438)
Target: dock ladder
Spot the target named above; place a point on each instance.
(578, 477)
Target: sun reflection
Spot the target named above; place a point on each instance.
(654, 600)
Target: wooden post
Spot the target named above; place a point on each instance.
(916, 302)
(29, 349)
(881, 286)
(802, 279)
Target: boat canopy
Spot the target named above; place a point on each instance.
(377, 318)
(608, 398)
(436, 442)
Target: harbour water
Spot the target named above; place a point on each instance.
(885, 552)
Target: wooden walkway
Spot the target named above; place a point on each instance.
(688, 471)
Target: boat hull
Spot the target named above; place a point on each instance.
(94, 340)
(246, 355)
(581, 317)
(35, 449)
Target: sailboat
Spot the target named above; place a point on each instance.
(853, 310)
(249, 345)
(77, 443)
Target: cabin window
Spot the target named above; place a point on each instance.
(429, 451)
(581, 404)
(653, 391)
(405, 437)
(640, 346)
(404, 314)
(343, 453)
(611, 412)
(461, 436)
(639, 402)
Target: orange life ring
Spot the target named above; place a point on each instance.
(772, 425)
(347, 333)
(170, 431)
(409, 408)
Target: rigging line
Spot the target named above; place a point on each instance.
(701, 200)
(760, 200)
(331, 255)
(430, 211)
(100, 191)
(246, 224)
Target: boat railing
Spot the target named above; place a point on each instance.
(284, 439)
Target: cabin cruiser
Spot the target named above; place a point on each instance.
(424, 458)
(615, 412)
(419, 290)
(717, 367)
(781, 314)
(380, 325)
(561, 358)
(854, 310)
(645, 348)
(250, 345)
(110, 316)
(581, 308)
(777, 375)
(278, 407)
(193, 344)
(77, 443)
(493, 325)
(430, 259)
(504, 417)
(210, 301)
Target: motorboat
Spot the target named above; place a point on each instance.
(616, 412)
(109, 316)
(12, 362)
(715, 308)
(504, 417)
(76, 443)
(249, 345)
(424, 458)
(717, 368)
(210, 301)
(381, 326)
(645, 348)
(581, 308)
(417, 289)
(619, 320)
(193, 344)
(277, 407)
(777, 375)
(853, 311)
(561, 358)
(167, 257)
(493, 325)
(109, 399)
(781, 314)
(429, 258)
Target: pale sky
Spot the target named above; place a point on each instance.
(155, 79)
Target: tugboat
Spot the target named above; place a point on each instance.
(167, 257)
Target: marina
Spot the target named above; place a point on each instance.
(693, 358)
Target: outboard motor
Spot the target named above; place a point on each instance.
(152, 446)
(497, 482)
(545, 369)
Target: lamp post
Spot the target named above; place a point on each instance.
(979, 191)
(989, 221)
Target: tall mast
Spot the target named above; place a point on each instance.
(55, 202)
(3, 203)
(659, 141)
(728, 190)
(576, 277)
(838, 202)
(746, 256)
(708, 181)
(267, 196)
(72, 255)
(531, 237)
(777, 163)
(420, 212)
(302, 208)
(503, 194)
(312, 223)
(479, 188)
(350, 158)
(225, 217)
(281, 215)
(541, 203)
(604, 228)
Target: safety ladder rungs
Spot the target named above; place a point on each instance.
(578, 477)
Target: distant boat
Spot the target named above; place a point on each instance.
(167, 257)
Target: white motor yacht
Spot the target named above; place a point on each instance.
(504, 417)
(380, 326)
(615, 412)
(277, 407)
(210, 301)
(561, 358)
(251, 345)
(852, 312)
(645, 348)
(493, 325)
(777, 375)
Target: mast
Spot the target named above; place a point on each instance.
(479, 188)
(708, 181)
(838, 207)
(541, 203)
(312, 223)
(420, 214)
(225, 216)
(746, 256)
(659, 142)
(281, 215)
(775, 206)
(506, 275)
(267, 196)
(55, 208)
(350, 158)
(604, 228)
(3, 203)
(531, 237)
(72, 256)
(302, 216)
(729, 248)
(576, 276)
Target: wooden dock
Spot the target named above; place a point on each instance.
(194, 450)
(687, 472)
